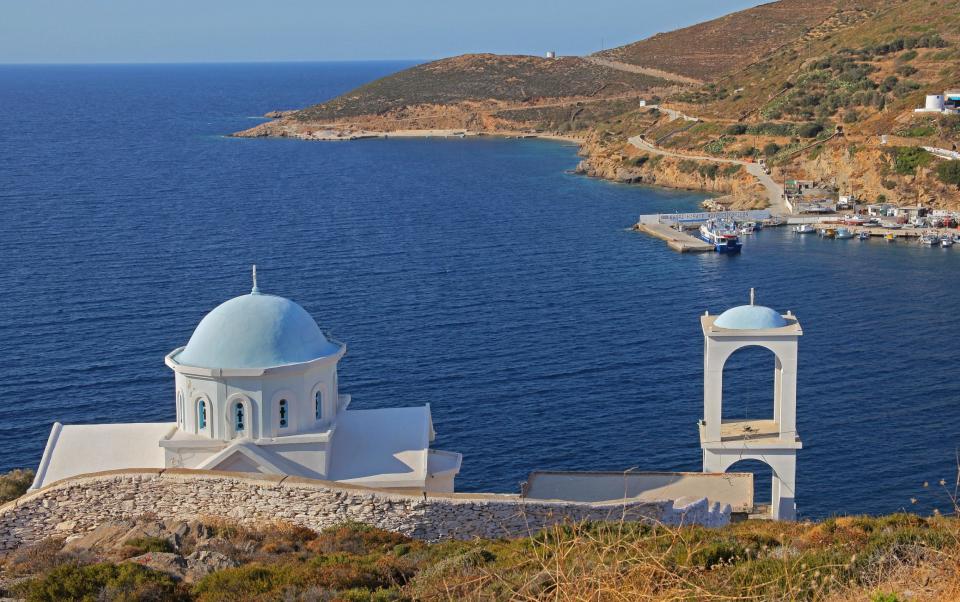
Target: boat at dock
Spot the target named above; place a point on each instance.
(864, 235)
(930, 240)
(890, 237)
(843, 233)
(946, 241)
(722, 235)
(804, 229)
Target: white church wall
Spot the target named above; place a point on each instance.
(193, 390)
(311, 457)
(187, 457)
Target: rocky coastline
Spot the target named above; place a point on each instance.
(735, 187)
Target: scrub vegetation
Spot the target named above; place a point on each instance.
(896, 557)
(15, 483)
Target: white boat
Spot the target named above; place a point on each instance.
(722, 235)
(929, 239)
(804, 229)
(843, 233)
(864, 235)
(747, 229)
(946, 241)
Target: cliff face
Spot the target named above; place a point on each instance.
(626, 164)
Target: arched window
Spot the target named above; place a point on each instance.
(238, 424)
(202, 415)
(283, 414)
(318, 404)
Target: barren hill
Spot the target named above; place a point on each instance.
(709, 50)
(482, 78)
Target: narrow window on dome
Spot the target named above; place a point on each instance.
(202, 415)
(283, 413)
(318, 405)
(238, 415)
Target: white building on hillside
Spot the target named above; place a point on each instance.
(256, 391)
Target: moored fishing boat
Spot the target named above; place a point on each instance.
(722, 235)
(946, 241)
(843, 233)
(864, 235)
(804, 229)
(929, 239)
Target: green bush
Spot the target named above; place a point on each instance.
(908, 158)
(772, 129)
(14, 484)
(771, 148)
(907, 56)
(809, 130)
(949, 172)
(737, 129)
(906, 70)
(709, 171)
(143, 545)
(120, 582)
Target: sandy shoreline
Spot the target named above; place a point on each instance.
(337, 135)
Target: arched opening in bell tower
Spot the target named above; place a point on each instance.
(750, 376)
(762, 480)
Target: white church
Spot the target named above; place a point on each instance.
(256, 391)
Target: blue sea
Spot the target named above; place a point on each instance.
(476, 275)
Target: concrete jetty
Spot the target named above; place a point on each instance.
(676, 240)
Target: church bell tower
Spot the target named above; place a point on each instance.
(774, 442)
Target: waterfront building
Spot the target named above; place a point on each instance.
(772, 441)
(256, 391)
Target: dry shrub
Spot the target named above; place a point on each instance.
(357, 538)
(36, 558)
(14, 484)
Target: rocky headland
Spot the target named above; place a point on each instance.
(818, 89)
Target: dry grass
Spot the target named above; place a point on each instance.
(896, 557)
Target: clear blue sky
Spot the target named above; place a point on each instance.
(90, 31)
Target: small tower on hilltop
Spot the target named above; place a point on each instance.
(774, 442)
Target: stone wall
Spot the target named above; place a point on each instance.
(81, 503)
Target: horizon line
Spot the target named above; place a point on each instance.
(190, 62)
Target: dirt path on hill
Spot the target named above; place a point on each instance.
(659, 73)
(774, 190)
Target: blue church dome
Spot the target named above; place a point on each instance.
(256, 331)
(750, 317)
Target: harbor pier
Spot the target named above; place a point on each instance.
(669, 227)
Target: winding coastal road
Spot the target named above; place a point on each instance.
(774, 190)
